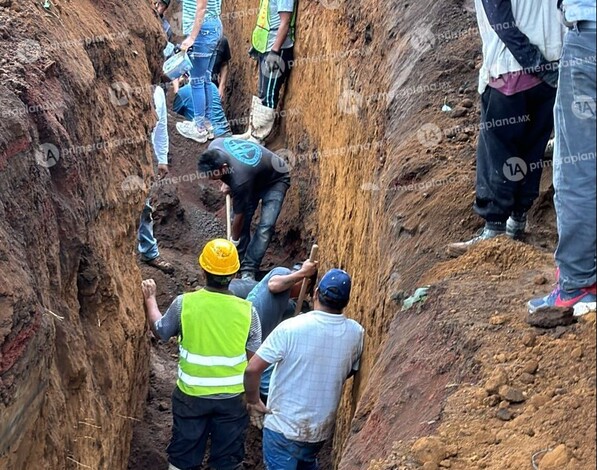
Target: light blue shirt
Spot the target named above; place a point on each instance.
(189, 9)
(579, 10)
(275, 7)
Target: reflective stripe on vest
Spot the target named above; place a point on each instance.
(262, 29)
(214, 332)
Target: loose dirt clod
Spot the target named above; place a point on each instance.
(551, 318)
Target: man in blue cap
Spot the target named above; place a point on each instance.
(313, 355)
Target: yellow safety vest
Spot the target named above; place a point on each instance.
(261, 31)
(212, 356)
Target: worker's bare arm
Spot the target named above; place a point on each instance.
(281, 283)
(285, 18)
(253, 378)
(151, 305)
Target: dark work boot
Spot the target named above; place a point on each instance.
(491, 230)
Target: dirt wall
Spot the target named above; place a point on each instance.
(73, 349)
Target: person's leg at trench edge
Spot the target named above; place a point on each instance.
(148, 245)
(271, 206)
(541, 101)
(208, 82)
(190, 428)
(575, 176)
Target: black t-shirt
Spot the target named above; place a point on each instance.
(222, 56)
(254, 169)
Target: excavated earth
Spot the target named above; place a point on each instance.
(383, 180)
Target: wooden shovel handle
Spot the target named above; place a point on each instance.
(299, 303)
(228, 215)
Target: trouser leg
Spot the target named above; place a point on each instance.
(228, 433)
(270, 83)
(271, 205)
(148, 245)
(500, 166)
(574, 161)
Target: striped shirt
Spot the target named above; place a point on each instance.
(189, 9)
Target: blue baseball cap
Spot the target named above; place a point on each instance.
(335, 285)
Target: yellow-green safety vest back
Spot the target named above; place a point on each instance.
(212, 356)
(261, 31)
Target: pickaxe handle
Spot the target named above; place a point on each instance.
(228, 216)
(299, 303)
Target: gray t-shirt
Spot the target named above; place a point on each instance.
(171, 325)
(276, 6)
(270, 307)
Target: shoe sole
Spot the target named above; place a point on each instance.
(187, 136)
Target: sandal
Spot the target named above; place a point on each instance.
(160, 264)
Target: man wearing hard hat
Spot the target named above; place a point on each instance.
(216, 332)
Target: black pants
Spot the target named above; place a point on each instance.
(270, 83)
(512, 140)
(196, 419)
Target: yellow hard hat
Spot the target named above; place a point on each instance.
(219, 257)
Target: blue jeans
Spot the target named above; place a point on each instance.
(574, 159)
(183, 105)
(148, 245)
(251, 250)
(203, 58)
(280, 453)
(218, 118)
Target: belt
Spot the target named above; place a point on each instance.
(585, 26)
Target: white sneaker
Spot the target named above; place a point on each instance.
(189, 130)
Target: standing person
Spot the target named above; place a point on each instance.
(160, 7)
(522, 41)
(314, 354)
(148, 245)
(217, 332)
(203, 27)
(274, 298)
(273, 48)
(221, 67)
(574, 175)
(250, 173)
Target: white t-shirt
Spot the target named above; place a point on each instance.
(313, 356)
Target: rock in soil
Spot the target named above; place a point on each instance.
(557, 459)
(551, 318)
(429, 450)
(511, 394)
(504, 414)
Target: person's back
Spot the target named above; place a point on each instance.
(318, 352)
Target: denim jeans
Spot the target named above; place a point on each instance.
(251, 250)
(574, 159)
(280, 453)
(203, 57)
(195, 419)
(148, 245)
(218, 118)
